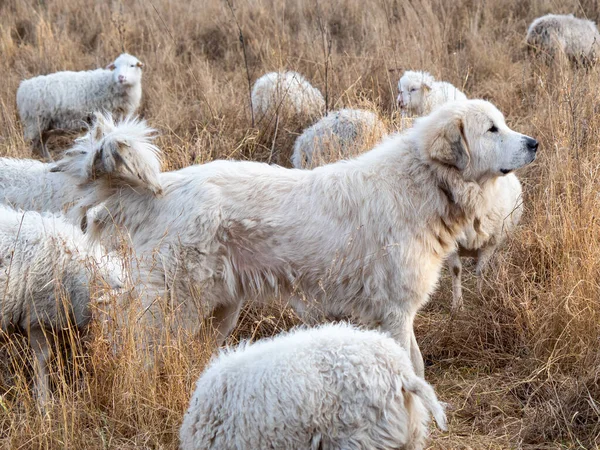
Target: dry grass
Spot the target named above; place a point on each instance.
(520, 366)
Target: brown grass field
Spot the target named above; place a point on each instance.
(520, 366)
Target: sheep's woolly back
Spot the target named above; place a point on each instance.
(331, 387)
(340, 134)
(577, 38)
(44, 260)
(286, 93)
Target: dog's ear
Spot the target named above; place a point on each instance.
(449, 145)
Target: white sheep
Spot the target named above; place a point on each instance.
(286, 92)
(331, 387)
(498, 215)
(46, 269)
(340, 134)
(420, 93)
(65, 100)
(578, 39)
(29, 185)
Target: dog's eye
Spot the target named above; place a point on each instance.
(493, 129)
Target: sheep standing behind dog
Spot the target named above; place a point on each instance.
(46, 268)
(29, 185)
(286, 93)
(501, 212)
(331, 387)
(578, 39)
(65, 100)
(340, 134)
(420, 94)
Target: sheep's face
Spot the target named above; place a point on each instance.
(127, 70)
(472, 136)
(412, 90)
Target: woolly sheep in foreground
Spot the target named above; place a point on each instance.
(363, 239)
(287, 92)
(340, 134)
(420, 94)
(331, 387)
(501, 211)
(46, 268)
(65, 100)
(577, 38)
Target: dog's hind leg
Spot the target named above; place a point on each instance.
(455, 266)
(224, 318)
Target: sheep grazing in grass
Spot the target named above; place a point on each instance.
(577, 39)
(286, 93)
(29, 184)
(499, 215)
(47, 268)
(64, 101)
(420, 94)
(331, 387)
(340, 134)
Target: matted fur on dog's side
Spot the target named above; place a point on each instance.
(363, 238)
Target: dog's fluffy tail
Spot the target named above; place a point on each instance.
(120, 153)
(423, 390)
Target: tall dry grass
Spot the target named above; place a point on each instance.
(520, 366)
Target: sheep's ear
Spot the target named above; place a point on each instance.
(426, 85)
(448, 145)
(140, 64)
(111, 66)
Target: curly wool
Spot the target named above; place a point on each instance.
(340, 134)
(287, 92)
(65, 100)
(331, 387)
(577, 38)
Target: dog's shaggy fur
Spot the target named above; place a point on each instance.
(363, 239)
(332, 387)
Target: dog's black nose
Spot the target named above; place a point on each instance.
(532, 144)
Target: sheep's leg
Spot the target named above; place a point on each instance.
(224, 319)
(455, 266)
(483, 258)
(41, 350)
(39, 146)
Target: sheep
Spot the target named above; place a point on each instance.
(340, 134)
(578, 39)
(46, 268)
(29, 184)
(363, 239)
(286, 92)
(420, 94)
(330, 387)
(65, 100)
(501, 212)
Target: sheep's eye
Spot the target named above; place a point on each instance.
(413, 89)
(132, 65)
(493, 129)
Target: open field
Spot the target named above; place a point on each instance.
(520, 366)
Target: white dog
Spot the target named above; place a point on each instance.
(363, 238)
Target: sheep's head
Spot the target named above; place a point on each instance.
(413, 87)
(127, 70)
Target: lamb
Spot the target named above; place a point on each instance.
(420, 94)
(46, 269)
(363, 239)
(578, 39)
(499, 216)
(286, 92)
(340, 134)
(331, 387)
(65, 100)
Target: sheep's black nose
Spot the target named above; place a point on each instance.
(532, 144)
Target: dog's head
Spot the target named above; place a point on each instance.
(472, 137)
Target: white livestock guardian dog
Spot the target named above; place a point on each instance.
(363, 239)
